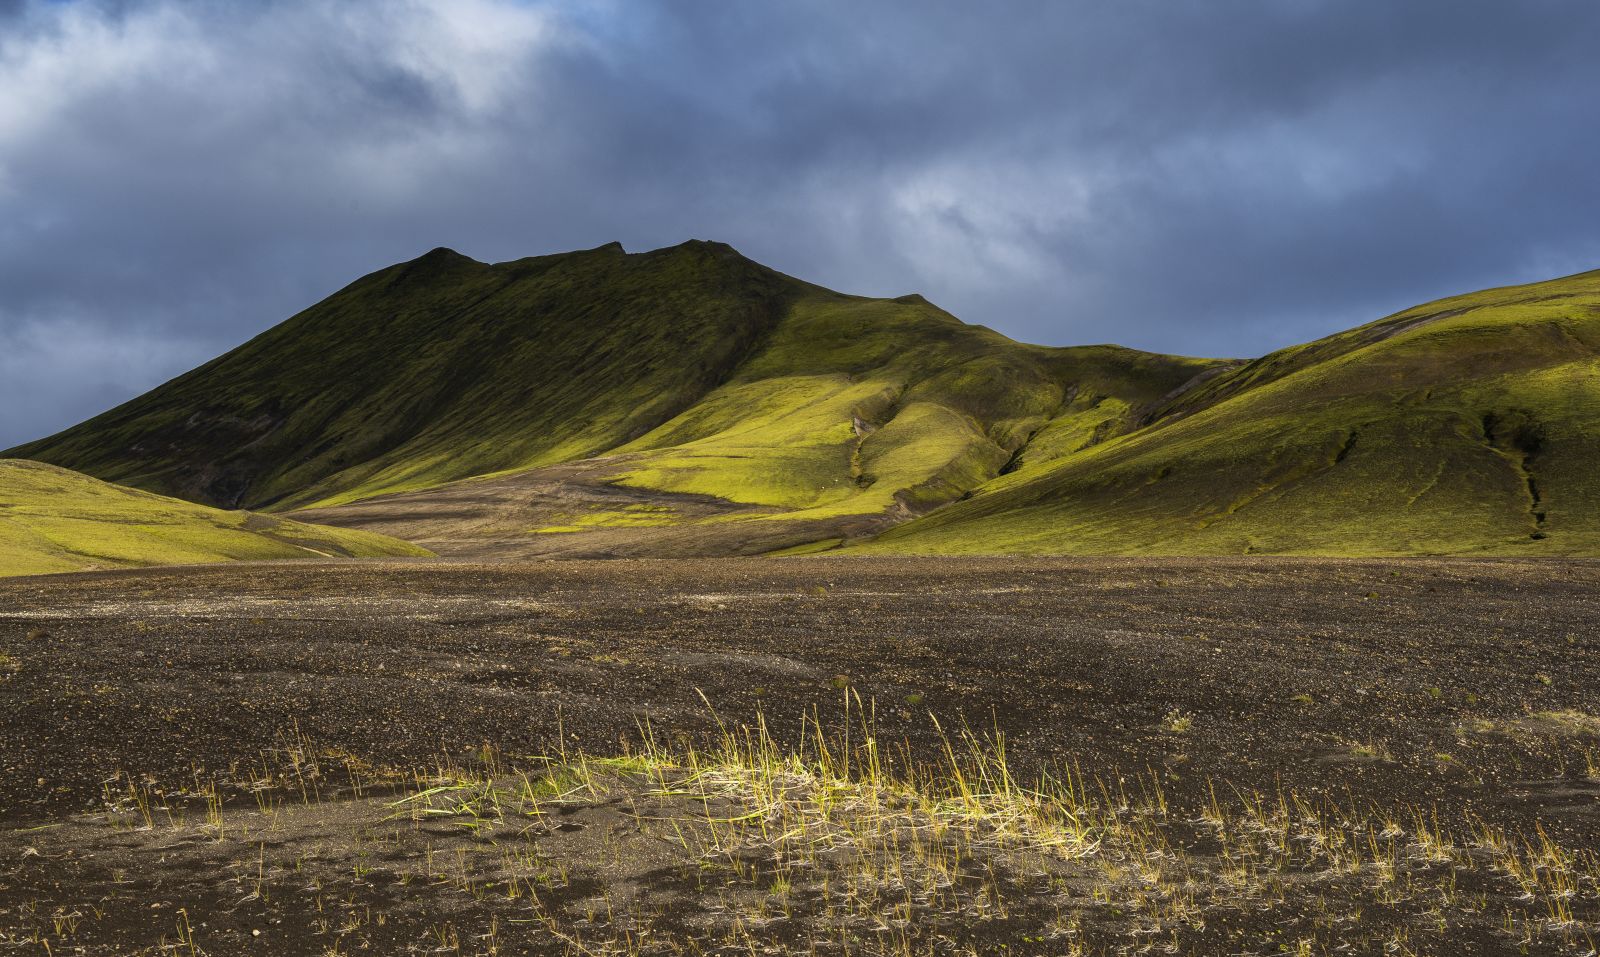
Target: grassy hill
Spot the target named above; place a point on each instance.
(703, 372)
(53, 520)
(437, 369)
(1467, 425)
(858, 406)
(690, 401)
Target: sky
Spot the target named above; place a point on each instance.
(1208, 177)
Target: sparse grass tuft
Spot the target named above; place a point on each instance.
(958, 848)
(757, 844)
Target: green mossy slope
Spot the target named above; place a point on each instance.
(438, 369)
(863, 406)
(1467, 425)
(715, 374)
(53, 520)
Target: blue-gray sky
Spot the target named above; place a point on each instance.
(1198, 176)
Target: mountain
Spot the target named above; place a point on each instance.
(1467, 425)
(53, 520)
(690, 385)
(437, 369)
(688, 401)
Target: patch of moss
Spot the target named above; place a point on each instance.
(632, 517)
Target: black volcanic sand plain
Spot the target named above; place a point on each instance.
(1259, 756)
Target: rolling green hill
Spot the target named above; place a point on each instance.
(690, 401)
(1467, 425)
(53, 520)
(702, 372)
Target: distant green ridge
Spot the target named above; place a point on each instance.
(1470, 425)
(53, 520)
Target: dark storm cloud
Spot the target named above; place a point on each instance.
(1220, 178)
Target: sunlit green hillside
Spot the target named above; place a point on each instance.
(1467, 425)
(858, 406)
(53, 520)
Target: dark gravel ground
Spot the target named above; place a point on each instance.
(1418, 681)
(1454, 690)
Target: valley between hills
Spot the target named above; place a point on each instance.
(908, 638)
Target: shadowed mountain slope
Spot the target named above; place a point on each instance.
(437, 369)
(53, 520)
(1467, 425)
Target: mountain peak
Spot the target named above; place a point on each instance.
(437, 262)
(710, 246)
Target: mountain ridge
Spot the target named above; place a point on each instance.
(438, 299)
(730, 408)
(1436, 413)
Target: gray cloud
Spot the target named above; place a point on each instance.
(1219, 178)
